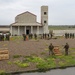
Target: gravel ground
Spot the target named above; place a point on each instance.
(26, 48)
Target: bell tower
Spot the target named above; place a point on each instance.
(44, 18)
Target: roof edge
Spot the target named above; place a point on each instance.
(26, 12)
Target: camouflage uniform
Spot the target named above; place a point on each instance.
(51, 35)
(51, 47)
(66, 48)
(35, 36)
(24, 37)
(0, 37)
(43, 35)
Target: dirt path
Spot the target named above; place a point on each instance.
(31, 47)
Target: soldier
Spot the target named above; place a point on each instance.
(0, 37)
(73, 35)
(51, 47)
(51, 35)
(66, 48)
(43, 35)
(48, 36)
(66, 35)
(31, 35)
(70, 35)
(7, 37)
(35, 36)
(24, 37)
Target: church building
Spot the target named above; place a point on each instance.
(26, 23)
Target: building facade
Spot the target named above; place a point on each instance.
(26, 23)
(4, 29)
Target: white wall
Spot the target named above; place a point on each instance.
(25, 18)
(40, 30)
(62, 32)
(22, 30)
(34, 29)
(14, 30)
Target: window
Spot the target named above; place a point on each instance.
(45, 22)
(45, 13)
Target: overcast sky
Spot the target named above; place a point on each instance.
(61, 12)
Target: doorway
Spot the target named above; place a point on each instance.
(27, 32)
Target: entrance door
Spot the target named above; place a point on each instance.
(27, 32)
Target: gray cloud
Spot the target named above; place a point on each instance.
(60, 11)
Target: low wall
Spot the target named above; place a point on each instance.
(62, 32)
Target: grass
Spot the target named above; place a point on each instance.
(72, 48)
(40, 63)
(66, 60)
(9, 62)
(46, 49)
(51, 61)
(34, 59)
(46, 44)
(17, 56)
(33, 54)
(43, 64)
(2, 72)
(15, 38)
(62, 64)
(21, 64)
(5, 45)
(47, 62)
(43, 53)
